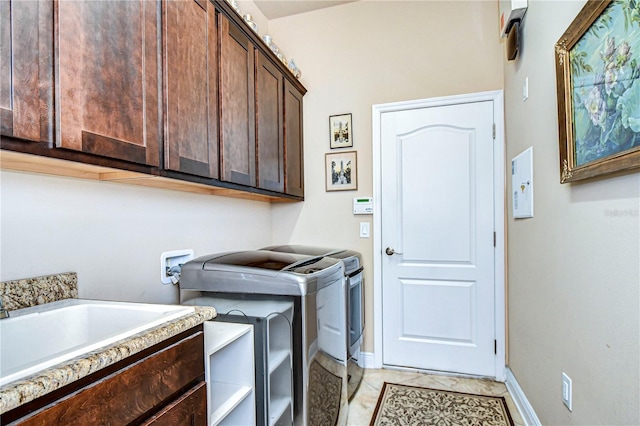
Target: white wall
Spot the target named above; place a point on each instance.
(574, 269)
(112, 234)
(364, 53)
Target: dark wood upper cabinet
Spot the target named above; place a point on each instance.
(26, 70)
(107, 75)
(269, 125)
(191, 87)
(237, 111)
(293, 141)
(182, 90)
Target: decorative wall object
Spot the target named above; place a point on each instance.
(234, 5)
(522, 184)
(341, 171)
(598, 86)
(340, 131)
(249, 20)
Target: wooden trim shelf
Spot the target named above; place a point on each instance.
(17, 161)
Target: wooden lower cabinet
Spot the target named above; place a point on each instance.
(164, 387)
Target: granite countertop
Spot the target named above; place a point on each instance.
(20, 392)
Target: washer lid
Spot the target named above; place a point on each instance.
(352, 259)
(269, 260)
(300, 249)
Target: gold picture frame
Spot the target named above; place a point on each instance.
(598, 87)
(341, 171)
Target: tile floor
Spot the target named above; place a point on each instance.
(364, 402)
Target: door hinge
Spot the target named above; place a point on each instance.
(494, 238)
(495, 347)
(494, 130)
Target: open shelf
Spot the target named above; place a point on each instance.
(229, 373)
(280, 395)
(226, 397)
(243, 414)
(277, 358)
(227, 364)
(280, 412)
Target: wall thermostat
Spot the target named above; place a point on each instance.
(363, 205)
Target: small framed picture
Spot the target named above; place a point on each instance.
(341, 171)
(340, 129)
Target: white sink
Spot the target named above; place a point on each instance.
(34, 339)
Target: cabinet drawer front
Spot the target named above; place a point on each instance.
(188, 410)
(129, 394)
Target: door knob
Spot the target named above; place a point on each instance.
(389, 251)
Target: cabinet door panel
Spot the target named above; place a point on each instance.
(191, 90)
(188, 410)
(294, 158)
(26, 70)
(107, 78)
(269, 144)
(237, 106)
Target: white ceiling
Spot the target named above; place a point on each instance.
(273, 9)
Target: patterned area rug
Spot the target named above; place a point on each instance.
(410, 405)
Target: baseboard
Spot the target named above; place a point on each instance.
(520, 399)
(366, 360)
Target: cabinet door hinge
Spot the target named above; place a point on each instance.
(495, 347)
(494, 130)
(494, 238)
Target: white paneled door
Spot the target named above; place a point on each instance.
(437, 213)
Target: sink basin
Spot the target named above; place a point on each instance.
(34, 339)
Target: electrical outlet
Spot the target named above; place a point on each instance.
(169, 259)
(567, 391)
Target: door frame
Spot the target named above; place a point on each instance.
(499, 190)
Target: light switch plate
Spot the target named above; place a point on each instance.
(364, 230)
(567, 391)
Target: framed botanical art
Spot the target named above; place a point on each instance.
(341, 171)
(598, 86)
(340, 131)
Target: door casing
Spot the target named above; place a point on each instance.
(499, 189)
